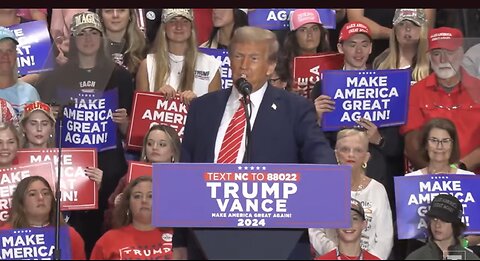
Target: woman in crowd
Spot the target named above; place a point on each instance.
(349, 247)
(33, 205)
(9, 144)
(90, 70)
(38, 126)
(352, 149)
(307, 36)
(160, 144)
(225, 22)
(125, 40)
(408, 44)
(440, 148)
(134, 236)
(441, 151)
(176, 66)
(445, 228)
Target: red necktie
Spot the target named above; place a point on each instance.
(233, 137)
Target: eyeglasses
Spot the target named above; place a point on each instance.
(447, 142)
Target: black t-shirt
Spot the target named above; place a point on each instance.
(71, 77)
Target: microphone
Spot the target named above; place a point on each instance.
(243, 86)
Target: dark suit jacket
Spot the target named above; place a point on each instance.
(287, 133)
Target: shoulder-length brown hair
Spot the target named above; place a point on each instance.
(122, 215)
(173, 138)
(443, 124)
(17, 216)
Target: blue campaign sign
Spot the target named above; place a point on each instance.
(380, 96)
(413, 195)
(34, 47)
(279, 19)
(88, 122)
(34, 244)
(225, 71)
(251, 195)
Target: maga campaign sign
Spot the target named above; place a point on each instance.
(307, 70)
(380, 96)
(137, 169)
(78, 191)
(225, 70)
(279, 19)
(34, 244)
(251, 195)
(88, 122)
(10, 177)
(151, 108)
(34, 47)
(413, 195)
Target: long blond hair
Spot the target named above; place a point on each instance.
(420, 64)
(162, 64)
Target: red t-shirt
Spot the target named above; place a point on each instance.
(428, 100)
(332, 255)
(76, 242)
(129, 243)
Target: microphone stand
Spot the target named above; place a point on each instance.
(58, 193)
(247, 105)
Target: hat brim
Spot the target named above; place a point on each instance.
(409, 19)
(83, 27)
(358, 211)
(443, 215)
(46, 113)
(8, 37)
(167, 19)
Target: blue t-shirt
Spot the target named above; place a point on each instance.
(19, 94)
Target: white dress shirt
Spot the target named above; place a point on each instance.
(232, 106)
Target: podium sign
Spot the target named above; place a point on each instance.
(251, 195)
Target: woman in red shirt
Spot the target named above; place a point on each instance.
(134, 236)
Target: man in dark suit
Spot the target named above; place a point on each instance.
(284, 128)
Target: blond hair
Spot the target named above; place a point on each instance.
(420, 64)
(351, 132)
(250, 34)
(162, 64)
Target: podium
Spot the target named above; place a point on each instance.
(253, 243)
(249, 211)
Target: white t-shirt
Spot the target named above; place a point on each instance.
(205, 69)
(377, 238)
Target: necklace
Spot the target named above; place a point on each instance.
(176, 63)
(362, 184)
(439, 171)
(360, 187)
